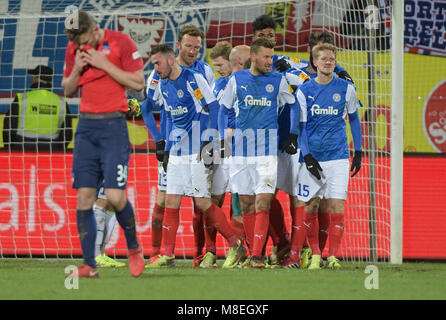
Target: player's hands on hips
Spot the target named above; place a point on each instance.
(313, 166)
(159, 152)
(134, 108)
(290, 145)
(165, 160)
(206, 154)
(356, 163)
(282, 65)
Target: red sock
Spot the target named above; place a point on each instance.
(278, 231)
(336, 230)
(324, 223)
(170, 227)
(157, 229)
(298, 233)
(249, 221)
(312, 227)
(218, 219)
(197, 226)
(260, 232)
(210, 235)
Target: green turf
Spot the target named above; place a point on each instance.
(45, 279)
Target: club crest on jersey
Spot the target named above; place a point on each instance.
(269, 88)
(180, 93)
(336, 97)
(263, 102)
(317, 110)
(178, 111)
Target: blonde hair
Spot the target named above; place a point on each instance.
(221, 49)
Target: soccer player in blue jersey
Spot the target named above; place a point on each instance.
(324, 103)
(191, 122)
(189, 43)
(256, 95)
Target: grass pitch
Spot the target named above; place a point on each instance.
(25, 279)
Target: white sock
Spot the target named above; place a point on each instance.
(110, 221)
(99, 214)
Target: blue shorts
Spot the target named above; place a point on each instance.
(101, 151)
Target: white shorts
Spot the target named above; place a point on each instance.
(288, 167)
(188, 177)
(220, 179)
(333, 183)
(253, 175)
(162, 177)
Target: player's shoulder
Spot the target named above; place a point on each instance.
(342, 83)
(221, 82)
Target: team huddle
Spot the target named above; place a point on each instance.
(268, 123)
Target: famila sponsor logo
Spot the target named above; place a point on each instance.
(317, 110)
(263, 102)
(178, 111)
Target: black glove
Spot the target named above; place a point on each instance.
(207, 154)
(225, 149)
(160, 149)
(134, 108)
(313, 166)
(356, 163)
(165, 160)
(290, 145)
(282, 65)
(344, 75)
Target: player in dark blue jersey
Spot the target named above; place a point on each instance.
(324, 103)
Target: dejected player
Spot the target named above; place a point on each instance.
(103, 63)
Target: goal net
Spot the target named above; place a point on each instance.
(37, 202)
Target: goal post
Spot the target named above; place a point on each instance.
(37, 203)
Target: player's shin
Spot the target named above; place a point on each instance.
(170, 228)
(335, 233)
(210, 235)
(218, 218)
(260, 232)
(157, 229)
(324, 223)
(249, 220)
(99, 214)
(298, 232)
(278, 230)
(198, 228)
(312, 228)
(126, 219)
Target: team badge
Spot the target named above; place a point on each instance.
(336, 97)
(180, 93)
(269, 88)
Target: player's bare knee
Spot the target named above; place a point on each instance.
(312, 205)
(202, 203)
(335, 206)
(161, 199)
(263, 202)
(117, 198)
(86, 198)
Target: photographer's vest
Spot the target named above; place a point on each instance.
(41, 114)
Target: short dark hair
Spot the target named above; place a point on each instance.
(163, 48)
(263, 22)
(86, 22)
(323, 36)
(261, 42)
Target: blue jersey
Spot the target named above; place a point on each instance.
(147, 108)
(204, 69)
(256, 101)
(186, 101)
(324, 108)
(219, 86)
